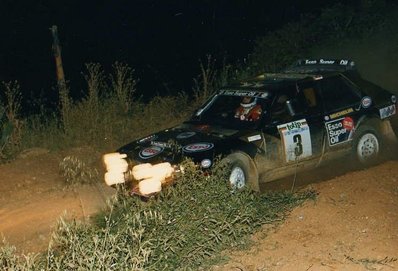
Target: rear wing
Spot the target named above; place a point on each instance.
(321, 65)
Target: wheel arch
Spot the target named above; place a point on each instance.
(368, 127)
(383, 126)
(253, 178)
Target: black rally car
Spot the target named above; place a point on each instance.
(271, 125)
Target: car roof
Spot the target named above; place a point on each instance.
(301, 70)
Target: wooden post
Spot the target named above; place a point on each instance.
(58, 59)
(62, 89)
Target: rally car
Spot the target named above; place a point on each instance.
(273, 125)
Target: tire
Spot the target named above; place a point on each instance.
(394, 125)
(367, 147)
(241, 172)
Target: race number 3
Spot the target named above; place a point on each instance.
(296, 139)
(298, 150)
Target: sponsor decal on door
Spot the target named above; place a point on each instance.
(296, 139)
(340, 130)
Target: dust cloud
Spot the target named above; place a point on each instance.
(375, 54)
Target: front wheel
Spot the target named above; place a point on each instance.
(367, 146)
(241, 172)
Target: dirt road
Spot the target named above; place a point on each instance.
(33, 197)
(353, 225)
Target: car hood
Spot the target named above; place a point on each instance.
(197, 141)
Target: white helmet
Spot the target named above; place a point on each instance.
(248, 102)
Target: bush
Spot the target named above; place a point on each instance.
(107, 117)
(184, 228)
(11, 125)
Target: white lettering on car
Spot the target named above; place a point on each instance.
(296, 139)
(321, 61)
(307, 61)
(339, 130)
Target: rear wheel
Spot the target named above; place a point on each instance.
(367, 145)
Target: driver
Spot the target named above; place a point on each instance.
(248, 110)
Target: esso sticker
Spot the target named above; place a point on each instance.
(185, 135)
(150, 152)
(366, 102)
(198, 147)
(348, 123)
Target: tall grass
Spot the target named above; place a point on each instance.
(106, 117)
(11, 124)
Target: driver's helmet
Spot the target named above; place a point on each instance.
(248, 102)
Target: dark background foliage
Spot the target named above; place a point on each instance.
(163, 40)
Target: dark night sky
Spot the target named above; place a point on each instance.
(162, 40)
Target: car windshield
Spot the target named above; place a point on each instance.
(233, 111)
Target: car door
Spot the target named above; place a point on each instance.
(312, 106)
(341, 112)
(300, 125)
(294, 133)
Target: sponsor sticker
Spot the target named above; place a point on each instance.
(241, 93)
(343, 62)
(185, 135)
(296, 139)
(341, 113)
(150, 152)
(198, 147)
(366, 102)
(254, 138)
(387, 111)
(340, 130)
(348, 123)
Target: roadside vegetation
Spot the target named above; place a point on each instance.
(184, 228)
(187, 226)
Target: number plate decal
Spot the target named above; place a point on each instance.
(296, 139)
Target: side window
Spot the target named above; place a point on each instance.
(279, 110)
(310, 96)
(337, 93)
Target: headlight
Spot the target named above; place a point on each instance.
(205, 163)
